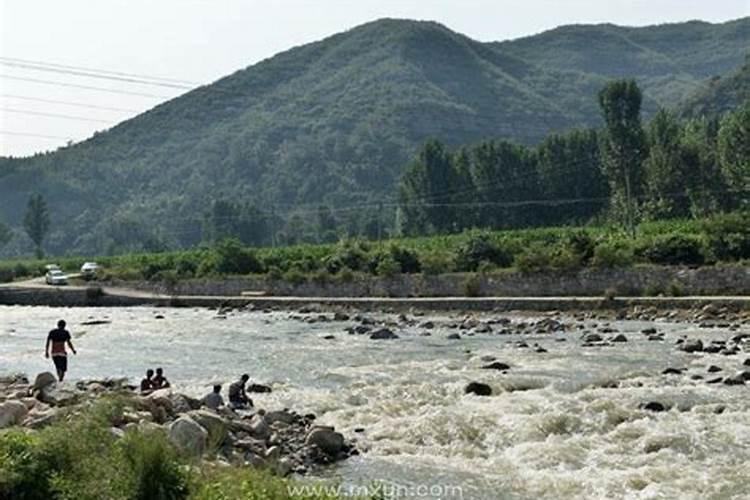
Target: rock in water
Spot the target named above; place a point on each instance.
(692, 346)
(619, 338)
(258, 388)
(187, 435)
(325, 438)
(12, 413)
(478, 388)
(383, 334)
(496, 365)
(654, 406)
(43, 380)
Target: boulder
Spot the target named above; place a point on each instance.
(162, 398)
(339, 316)
(592, 337)
(672, 371)
(258, 388)
(695, 345)
(189, 436)
(55, 395)
(43, 380)
(259, 428)
(654, 406)
(713, 369)
(619, 338)
(38, 419)
(478, 388)
(12, 413)
(453, 336)
(214, 424)
(383, 334)
(738, 379)
(326, 439)
(279, 416)
(496, 365)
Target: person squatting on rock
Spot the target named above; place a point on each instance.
(237, 396)
(58, 338)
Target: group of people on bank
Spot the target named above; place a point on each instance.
(60, 338)
(238, 398)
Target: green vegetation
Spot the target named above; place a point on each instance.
(723, 238)
(36, 222)
(720, 95)
(308, 146)
(82, 459)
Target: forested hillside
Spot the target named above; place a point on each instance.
(319, 135)
(720, 94)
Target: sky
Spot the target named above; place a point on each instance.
(199, 41)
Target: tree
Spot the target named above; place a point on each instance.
(666, 178)
(623, 147)
(36, 222)
(327, 225)
(5, 234)
(734, 149)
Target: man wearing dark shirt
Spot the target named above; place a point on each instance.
(147, 384)
(237, 395)
(57, 338)
(160, 381)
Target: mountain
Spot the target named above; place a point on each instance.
(336, 121)
(720, 95)
(670, 61)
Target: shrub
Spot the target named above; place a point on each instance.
(321, 277)
(434, 263)
(472, 285)
(346, 275)
(608, 254)
(673, 249)
(274, 273)
(534, 259)
(408, 260)
(728, 236)
(294, 276)
(580, 244)
(349, 254)
(156, 470)
(479, 247)
(185, 267)
(6, 275)
(388, 267)
(233, 258)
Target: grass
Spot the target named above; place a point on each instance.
(80, 458)
(722, 238)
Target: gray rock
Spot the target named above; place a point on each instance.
(259, 428)
(453, 336)
(284, 416)
(694, 345)
(188, 435)
(619, 338)
(672, 371)
(43, 380)
(496, 365)
(326, 439)
(713, 369)
(478, 388)
(215, 425)
(12, 413)
(58, 396)
(592, 337)
(383, 334)
(654, 406)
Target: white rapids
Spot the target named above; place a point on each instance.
(560, 424)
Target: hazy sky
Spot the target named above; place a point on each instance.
(202, 40)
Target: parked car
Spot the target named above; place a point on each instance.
(56, 277)
(51, 267)
(88, 269)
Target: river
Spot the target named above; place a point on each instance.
(554, 428)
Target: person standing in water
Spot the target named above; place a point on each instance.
(58, 338)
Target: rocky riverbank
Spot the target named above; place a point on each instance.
(281, 440)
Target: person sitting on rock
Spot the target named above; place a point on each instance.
(147, 384)
(160, 381)
(213, 400)
(237, 395)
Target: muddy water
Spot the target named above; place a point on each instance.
(562, 424)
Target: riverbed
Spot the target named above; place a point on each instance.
(565, 423)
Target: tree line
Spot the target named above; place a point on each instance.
(625, 172)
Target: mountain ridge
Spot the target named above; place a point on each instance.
(333, 121)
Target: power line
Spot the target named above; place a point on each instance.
(29, 134)
(68, 103)
(94, 75)
(95, 70)
(53, 115)
(87, 87)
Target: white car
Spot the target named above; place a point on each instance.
(88, 269)
(56, 277)
(52, 267)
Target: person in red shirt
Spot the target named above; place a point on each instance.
(57, 338)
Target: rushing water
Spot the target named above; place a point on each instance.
(553, 429)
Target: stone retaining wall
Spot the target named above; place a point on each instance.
(651, 280)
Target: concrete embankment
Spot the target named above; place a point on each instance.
(114, 297)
